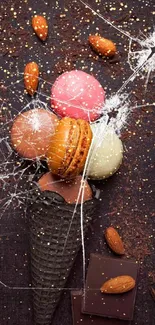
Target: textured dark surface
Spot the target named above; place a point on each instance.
(127, 200)
(55, 239)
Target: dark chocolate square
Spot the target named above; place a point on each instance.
(100, 270)
(83, 319)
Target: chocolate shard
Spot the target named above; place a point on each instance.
(55, 239)
(83, 319)
(100, 270)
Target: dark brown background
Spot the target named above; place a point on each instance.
(126, 198)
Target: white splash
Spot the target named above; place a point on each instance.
(120, 105)
(144, 58)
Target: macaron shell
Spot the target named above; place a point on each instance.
(77, 94)
(63, 145)
(106, 153)
(31, 132)
(78, 161)
(69, 190)
(71, 146)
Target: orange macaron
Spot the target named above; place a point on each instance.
(69, 146)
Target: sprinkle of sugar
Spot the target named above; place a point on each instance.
(120, 111)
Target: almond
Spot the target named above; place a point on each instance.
(114, 241)
(40, 26)
(31, 77)
(102, 45)
(120, 284)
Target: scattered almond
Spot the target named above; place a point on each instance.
(114, 241)
(40, 26)
(120, 284)
(102, 45)
(152, 291)
(31, 77)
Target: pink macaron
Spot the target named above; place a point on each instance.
(77, 94)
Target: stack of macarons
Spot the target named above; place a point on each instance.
(68, 136)
(69, 147)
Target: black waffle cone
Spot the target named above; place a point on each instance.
(52, 256)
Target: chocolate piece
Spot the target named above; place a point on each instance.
(68, 189)
(83, 319)
(100, 270)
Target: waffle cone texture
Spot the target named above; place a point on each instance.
(52, 255)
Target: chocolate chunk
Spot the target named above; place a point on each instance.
(83, 319)
(100, 270)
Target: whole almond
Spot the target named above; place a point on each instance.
(31, 77)
(114, 241)
(120, 284)
(40, 26)
(102, 45)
